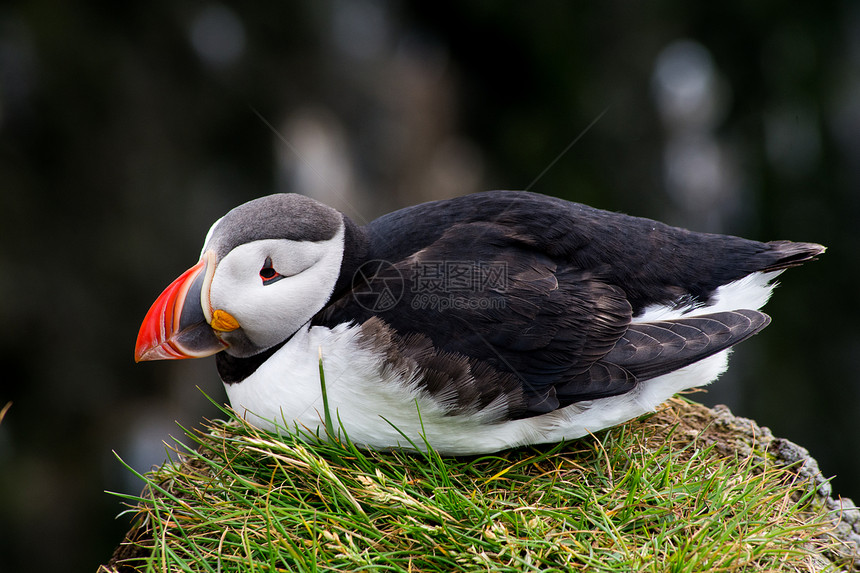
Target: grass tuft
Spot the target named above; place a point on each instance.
(641, 497)
(329, 427)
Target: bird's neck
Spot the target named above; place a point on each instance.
(355, 250)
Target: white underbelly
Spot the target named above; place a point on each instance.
(377, 409)
(382, 409)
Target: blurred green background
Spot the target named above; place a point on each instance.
(126, 129)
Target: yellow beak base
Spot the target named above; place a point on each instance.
(223, 321)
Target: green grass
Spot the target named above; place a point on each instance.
(641, 497)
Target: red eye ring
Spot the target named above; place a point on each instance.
(268, 272)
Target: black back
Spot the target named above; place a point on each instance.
(545, 290)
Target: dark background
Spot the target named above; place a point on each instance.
(126, 129)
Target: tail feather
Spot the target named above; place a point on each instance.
(790, 254)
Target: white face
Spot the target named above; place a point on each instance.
(272, 287)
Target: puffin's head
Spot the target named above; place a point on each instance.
(267, 268)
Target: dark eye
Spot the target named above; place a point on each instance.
(268, 273)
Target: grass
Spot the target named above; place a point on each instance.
(642, 497)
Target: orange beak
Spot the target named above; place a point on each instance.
(176, 325)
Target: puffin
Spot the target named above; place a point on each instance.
(469, 325)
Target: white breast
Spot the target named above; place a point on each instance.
(372, 403)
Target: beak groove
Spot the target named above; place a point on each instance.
(176, 325)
